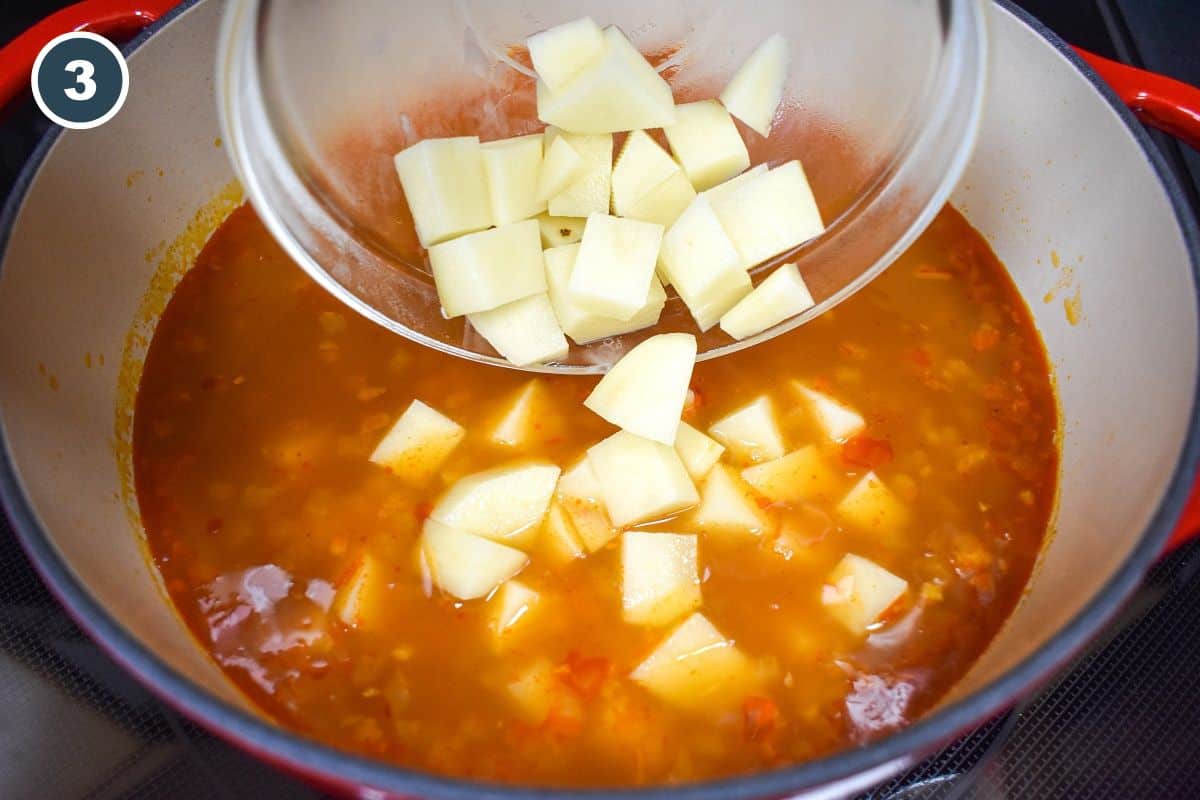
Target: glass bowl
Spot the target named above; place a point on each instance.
(882, 106)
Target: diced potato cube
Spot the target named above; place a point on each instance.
(769, 214)
(562, 52)
(751, 433)
(561, 166)
(582, 326)
(782, 295)
(640, 479)
(580, 482)
(512, 168)
(619, 92)
(614, 266)
(801, 475)
(464, 565)
(660, 581)
(707, 143)
(723, 190)
(520, 416)
(727, 507)
(837, 421)
(858, 591)
(702, 263)
(592, 524)
(754, 93)
(583, 501)
(361, 599)
(538, 692)
(485, 270)
(418, 443)
(524, 331)
(664, 203)
(697, 451)
(647, 184)
(559, 540)
(589, 193)
(559, 231)
(872, 506)
(511, 605)
(444, 184)
(644, 391)
(504, 503)
(697, 668)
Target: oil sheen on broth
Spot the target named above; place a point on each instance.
(262, 398)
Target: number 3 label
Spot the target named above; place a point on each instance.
(80, 80)
(84, 70)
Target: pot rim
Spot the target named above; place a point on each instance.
(303, 756)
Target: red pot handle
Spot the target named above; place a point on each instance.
(1161, 102)
(112, 18)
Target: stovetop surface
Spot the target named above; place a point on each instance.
(1122, 722)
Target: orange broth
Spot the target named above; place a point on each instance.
(262, 398)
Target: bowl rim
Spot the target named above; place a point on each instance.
(321, 763)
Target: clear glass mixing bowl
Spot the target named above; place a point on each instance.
(882, 106)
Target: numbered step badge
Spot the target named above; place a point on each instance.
(80, 80)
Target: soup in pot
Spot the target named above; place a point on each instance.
(449, 566)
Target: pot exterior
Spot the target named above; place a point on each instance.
(1058, 176)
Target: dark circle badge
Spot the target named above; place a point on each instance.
(80, 80)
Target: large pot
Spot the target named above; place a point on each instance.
(1064, 184)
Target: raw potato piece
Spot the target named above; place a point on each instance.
(640, 480)
(485, 270)
(858, 591)
(581, 498)
(582, 326)
(660, 581)
(756, 90)
(701, 262)
(781, 296)
(697, 668)
(707, 144)
(870, 505)
(418, 443)
(561, 167)
(559, 540)
(644, 391)
(697, 451)
(733, 184)
(769, 214)
(361, 599)
(590, 192)
(726, 506)
(559, 231)
(614, 266)
(510, 605)
(512, 168)
(838, 422)
(445, 187)
(524, 331)
(647, 184)
(619, 92)
(538, 693)
(464, 565)
(800, 475)
(562, 52)
(750, 433)
(527, 410)
(504, 503)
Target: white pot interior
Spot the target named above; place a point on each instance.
(1056, 176)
